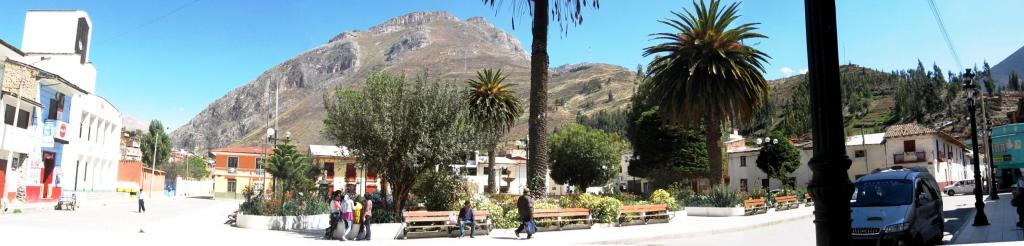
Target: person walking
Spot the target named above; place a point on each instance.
(335, 214)
(525, 207)
(466, 218)
(1018, 196)
(142, 203)
(365, 226)
(346, 214)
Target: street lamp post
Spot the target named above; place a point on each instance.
(980, 219)
(830, 184)
(992, 193)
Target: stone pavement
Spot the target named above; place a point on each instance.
(1001, 217)
(189, 221)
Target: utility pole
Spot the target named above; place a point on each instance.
(830, 185)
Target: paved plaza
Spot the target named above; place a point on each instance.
(180, 221)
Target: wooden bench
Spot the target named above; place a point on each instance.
(643, 214)
(786, 202)
(67, 202)
(440, 223)
(562, 218)
(754, 206)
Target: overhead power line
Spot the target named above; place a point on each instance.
(150, 22)
(945, 33)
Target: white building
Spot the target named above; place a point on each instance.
(917, 145)
(79, 132)
(905, 145)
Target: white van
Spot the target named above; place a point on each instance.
(960, 187)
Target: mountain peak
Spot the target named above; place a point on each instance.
(411, 20)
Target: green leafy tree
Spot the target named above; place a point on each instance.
(990, 84)
(779, 158)
(401, 129)
(662, 151)
(495, 109)
(288, 167)
(1014, 82)
(564, 12)
(156, 136)
(197, 167)
(704, 72)
(584, 157)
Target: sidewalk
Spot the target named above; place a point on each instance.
(1002, 219)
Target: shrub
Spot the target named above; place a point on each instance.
(440, 191)
(383, 216)
(723, 197)
(756, 193)
(603, 209)
(660, 196)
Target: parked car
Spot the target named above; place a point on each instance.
(960, 187)
(898, 206)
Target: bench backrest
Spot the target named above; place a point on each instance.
(439, 216)
(753, 202)
(643, 208)
(564, 212)
(785, 199)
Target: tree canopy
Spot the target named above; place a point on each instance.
(399, 128)
(584, 157)
(156, 136)
(778, 158)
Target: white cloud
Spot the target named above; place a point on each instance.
(803, 71)
(786, 70)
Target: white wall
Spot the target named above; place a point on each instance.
(52, 34)
(96, 153)
(949, 170)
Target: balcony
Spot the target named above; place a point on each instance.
(908, 157)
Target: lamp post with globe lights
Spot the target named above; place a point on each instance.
(980, 219)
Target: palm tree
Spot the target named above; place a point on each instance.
(704, 73)
(495, 109)
(565, 12)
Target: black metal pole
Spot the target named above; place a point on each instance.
(992, 193)
(830, 185)
(979, 205)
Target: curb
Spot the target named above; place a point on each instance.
(703, 233)
(963, 227)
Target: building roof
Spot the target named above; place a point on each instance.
(501, 160)
(9, 46)
(872, 138)
(743, 149)
(329, 150)
(245, 150)
(914, 129)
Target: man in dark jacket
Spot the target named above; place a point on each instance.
(466, 218)
(525, 206)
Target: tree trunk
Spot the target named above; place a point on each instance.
(537, 170)
(491, 174)
(399, 195)
(713, 132)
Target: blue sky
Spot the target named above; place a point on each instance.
(157, 63)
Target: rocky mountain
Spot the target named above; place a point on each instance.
(433, 43)
(1014, 62)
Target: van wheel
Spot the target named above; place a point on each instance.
(950, 193)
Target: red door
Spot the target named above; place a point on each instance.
(3, 180)
(46, 175)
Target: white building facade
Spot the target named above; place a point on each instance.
(917, 145)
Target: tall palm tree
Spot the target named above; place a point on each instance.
(495, 109)
(704, 73)
(565, 12)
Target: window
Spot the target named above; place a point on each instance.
(765, 184)
(23, 117)
(743, 161)
(743, 185)
(233, 162)
(330, 169)
(231, 185)
(859, 153)
(909, 146)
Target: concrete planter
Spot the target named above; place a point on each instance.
(283, 223)
(714, 211)
(379, 232)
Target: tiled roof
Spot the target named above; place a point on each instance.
(871, 138)
(914, 129)
(910, 129)
(329, 150)
(245, 150)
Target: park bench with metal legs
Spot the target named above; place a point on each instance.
(786, 202)
(644, 214)
(754, 206)
(562, 219)
(440, 223)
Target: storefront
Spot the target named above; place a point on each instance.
(1007, 152)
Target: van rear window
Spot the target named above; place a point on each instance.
(883, 193)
